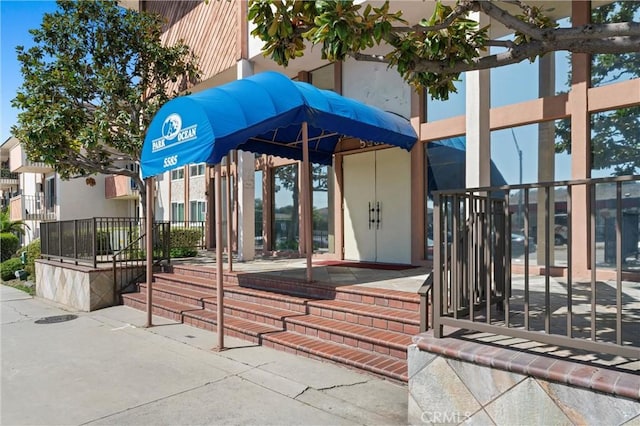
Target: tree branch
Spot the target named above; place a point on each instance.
(510, 21)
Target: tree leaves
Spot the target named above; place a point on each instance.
(433, 53)
(92, 83)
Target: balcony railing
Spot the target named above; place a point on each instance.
(8, 179)
(480, 236)
(32, 207)
(120, 187)
(21, 164)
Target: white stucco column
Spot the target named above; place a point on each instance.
(246, 188)
(478, 136)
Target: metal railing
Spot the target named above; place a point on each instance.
(32, 207)
(475, 251)
(129, 263)
(88, 241)
(8, 174)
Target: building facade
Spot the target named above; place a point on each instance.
(547, 120)
(33, 192)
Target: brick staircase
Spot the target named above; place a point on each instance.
(361, 327)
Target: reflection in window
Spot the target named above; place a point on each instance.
(259, 236)
(453, 107)
(615, 67)
(322, 209)
(615, 142)
(606, 210)
(196, 169)
(285, 208)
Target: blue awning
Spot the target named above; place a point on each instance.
(263, 114)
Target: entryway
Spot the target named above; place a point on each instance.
(377, 206)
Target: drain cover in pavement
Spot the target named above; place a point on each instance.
(55, 319)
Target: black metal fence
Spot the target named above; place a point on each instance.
(480, 234)
(91, 241)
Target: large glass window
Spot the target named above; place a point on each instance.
(615, 151)
(613, 68)
(454, 106)
(285, 208)
(528, 80)
(527, 154)
(259, 208)
(322, 209)
(615, 142)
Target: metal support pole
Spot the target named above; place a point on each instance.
(306, 200)
(219, 290)
(229, 221)
(149, 246)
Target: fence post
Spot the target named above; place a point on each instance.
(75, 239)
(437, 267)
(95, 243)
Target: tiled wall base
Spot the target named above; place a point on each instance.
(80, 288)
(443, 390)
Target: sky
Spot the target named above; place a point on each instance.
(16, 18)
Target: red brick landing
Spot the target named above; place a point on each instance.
(360, 327)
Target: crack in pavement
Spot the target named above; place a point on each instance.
(25, 317)
(346, 385)
(155, 400)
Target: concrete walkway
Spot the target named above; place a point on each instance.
(103, 368)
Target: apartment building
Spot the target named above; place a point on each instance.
(513, 117)
(34, 193)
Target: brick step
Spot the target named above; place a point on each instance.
(233, 326)
(177, 283)
(299, 288)
(201, 318)
(237, 308)
(368, 315)
(353, 335)
(167, 308)
(311, 347)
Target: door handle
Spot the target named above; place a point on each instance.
(378, 214)
(369, 211)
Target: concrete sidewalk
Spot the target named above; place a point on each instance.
(102, 368)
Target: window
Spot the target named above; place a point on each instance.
(197, 211)
(259, 206)
(197, 169)
(285, 208)
(322, 208)
(614, 67)
(177, 174)
(50, 193)
(323, 77)
(177, 212)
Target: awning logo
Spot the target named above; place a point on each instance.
(171, 126)
(172, 130)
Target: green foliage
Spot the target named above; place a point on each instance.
(433, 53)
(103, 243)
(615, 139)
(9, 243)
(93, 81)
(12, 226)
(33, 253)
(9, 267)
(185, 241)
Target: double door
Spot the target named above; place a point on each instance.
(377, 206)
